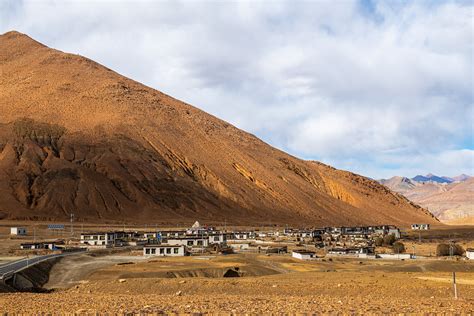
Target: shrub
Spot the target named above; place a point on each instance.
(444, 250)
(389, 240)
(398, 247)
(378, 241)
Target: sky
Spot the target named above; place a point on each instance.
(380, 88)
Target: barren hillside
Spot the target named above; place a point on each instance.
(78, 137)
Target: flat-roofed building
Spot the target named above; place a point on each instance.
(164, 250)
(420, 226)
(217, 238)
(18, 231)
(51, 245)
(98, 239)
(188, 241)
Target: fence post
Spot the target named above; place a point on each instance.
(455, 287)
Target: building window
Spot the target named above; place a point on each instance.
(162, 251)
(153, 251)
(176, 250)
(147, 251)
(199, 243)
(190, 242)
(168, 250)
(216, 238)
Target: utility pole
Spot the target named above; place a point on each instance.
(72, 227)
(455, 287)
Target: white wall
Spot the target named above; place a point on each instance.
(220, 239)
(184, 242)
(301, 256)
(164, 251)
(394, 256)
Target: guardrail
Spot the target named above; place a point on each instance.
(9, 269)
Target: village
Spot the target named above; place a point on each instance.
(364, 242)
(264, 266)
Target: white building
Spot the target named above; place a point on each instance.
(470, 253)
(242, 235)
(98, 239)
(303, 254)
(51, 245)
(395, 231)
(171, 233)
(189, 241)
(20, 231)
(164, 250)
(217, 238)
(420, 226)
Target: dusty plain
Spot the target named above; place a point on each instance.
(125, 282)
(274, 284)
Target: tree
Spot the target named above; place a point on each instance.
(398, 247)
(378, 241)
(445, 250)
(388, 240)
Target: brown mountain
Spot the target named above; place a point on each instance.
(452, 203)
(78, 137)
(399, 184)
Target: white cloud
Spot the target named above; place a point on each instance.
(366, 90)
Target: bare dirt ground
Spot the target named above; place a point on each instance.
(74, 270)
(270, 284)
(124, 282)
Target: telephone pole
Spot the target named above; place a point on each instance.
(72, 227)
(454, 285)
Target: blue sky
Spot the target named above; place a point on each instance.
(380, 88)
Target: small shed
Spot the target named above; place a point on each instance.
(19, 231)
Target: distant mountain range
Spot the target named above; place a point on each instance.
(433, 178)
(451, 199)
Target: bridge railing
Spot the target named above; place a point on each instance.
(9, 269)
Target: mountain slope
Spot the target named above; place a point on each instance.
(78, 137)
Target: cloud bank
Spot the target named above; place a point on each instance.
(379, 88)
